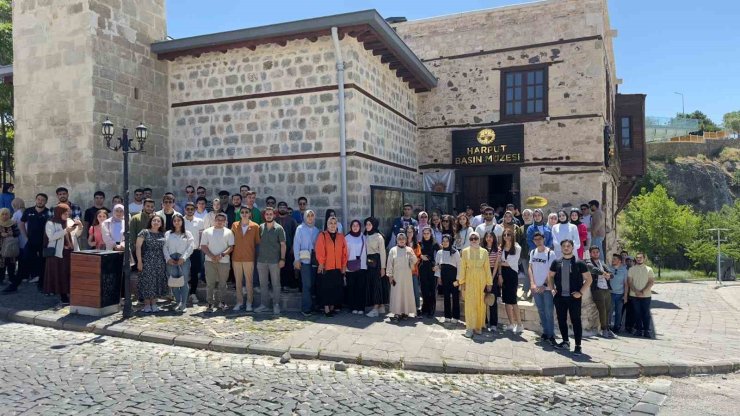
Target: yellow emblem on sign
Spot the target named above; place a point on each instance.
(486, 136)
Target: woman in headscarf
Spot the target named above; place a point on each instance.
(331, 254)
(62, 234)
(331, 213)
(9, 234)
(95, 233)
(539, 224)
(401, 260)
(575, 219)
(356, 268)
(428, 282)
(446, 263)
(114, 230)
(416, 248)
(423, 223)
(564, 230)
(377, 283)
(474, 277)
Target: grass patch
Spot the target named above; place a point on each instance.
(671, 275)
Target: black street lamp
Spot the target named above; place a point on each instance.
(127, 146)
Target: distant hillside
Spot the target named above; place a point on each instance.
(704, 181)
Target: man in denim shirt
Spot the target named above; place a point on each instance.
(619, 289)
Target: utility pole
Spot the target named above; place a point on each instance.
(683, 103)
(719, 252)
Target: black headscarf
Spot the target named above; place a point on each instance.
(578, 221)
(450, 240)
(353, 234)
(375, 223)
(567, 217)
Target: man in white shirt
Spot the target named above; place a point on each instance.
(137, 205)
(196, 226)
(478, 219)
(489, 224)
(540, 260)
(217, 242)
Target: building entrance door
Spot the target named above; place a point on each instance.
(495, 190)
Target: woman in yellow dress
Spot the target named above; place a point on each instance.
(474, 276)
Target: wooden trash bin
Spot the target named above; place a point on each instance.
(95, 287)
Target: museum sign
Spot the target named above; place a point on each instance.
(488, 146)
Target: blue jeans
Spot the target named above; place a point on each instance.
(308, 276)
(183, 270)
(617, 308)
(417, 291)
(599, 242)
(546, 310)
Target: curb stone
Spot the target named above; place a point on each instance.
(653, 399)
(631, 370)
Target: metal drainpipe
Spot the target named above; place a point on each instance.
(342, 126)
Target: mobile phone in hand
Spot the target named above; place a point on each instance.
(393, 283)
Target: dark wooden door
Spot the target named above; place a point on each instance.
(475, 191)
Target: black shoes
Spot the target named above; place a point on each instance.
(565, 345)
(10, 289)
(577, 351)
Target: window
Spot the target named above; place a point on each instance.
(625, 129)
(524, 93)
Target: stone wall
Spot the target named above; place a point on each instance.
(285, 142)
(672, 150)
(76, 61)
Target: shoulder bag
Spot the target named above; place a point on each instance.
(356, 263)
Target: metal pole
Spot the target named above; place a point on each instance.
(127, 307)
(342, 128)
(719, 252)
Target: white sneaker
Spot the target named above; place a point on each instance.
(260, 309)
(34, 280)
(237, 308)
(453, 320)
(147, 309)
(519, 329)
(511, 328)
(194, 299)
(444, 320)
(276, 309)
(155, 308)
(249, 307)
(372, 314)
(381, 309)
(182, 307)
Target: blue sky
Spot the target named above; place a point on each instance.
(664, 46)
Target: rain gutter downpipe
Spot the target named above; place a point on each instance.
(342, 126)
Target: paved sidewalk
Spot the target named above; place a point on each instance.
(697, 331)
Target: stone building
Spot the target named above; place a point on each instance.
(513, 102)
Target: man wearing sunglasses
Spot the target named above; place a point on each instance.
(168, 210)
(489, 224)
(302, 207)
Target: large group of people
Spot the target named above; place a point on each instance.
(477, 259)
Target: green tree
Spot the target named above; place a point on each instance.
(732, 120)
(654, 176)
(657, 225)
(705, 123)
(703, 250)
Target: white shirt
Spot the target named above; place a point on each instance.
(201, 215)
(22, 240)
(561, 232)
(462, 238)
(134, 208)
(196, 227)
(477, 220)
(217, 241)
(540, 263)
(177, 243)
(482, 229)
(357, 247)
(512, 259)
(444, 257)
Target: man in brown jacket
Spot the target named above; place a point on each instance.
(598, 227)
(246, 238)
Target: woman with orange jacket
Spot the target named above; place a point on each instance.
(331, 254)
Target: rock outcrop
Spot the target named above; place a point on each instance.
(699, 182)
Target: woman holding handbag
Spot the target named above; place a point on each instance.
(178, 246)
(95, 233)
(331, 253)
(9, 244)
(61, 233)
(356, 268)
(151, 264)
(377, 296)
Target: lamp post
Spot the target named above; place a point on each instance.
(4, 156)
(127, 146)
(683, 104)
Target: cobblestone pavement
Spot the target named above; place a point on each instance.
(45, 371)
(234, 326)
(695, 323)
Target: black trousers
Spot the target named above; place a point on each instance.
(629, 314)
(565, 305)
(357, 290)
(34, 264)
(493, 309)
(428, 283)
(641, 312)
(196, 260)
(450, 293)
(10, 267)
(288, 277)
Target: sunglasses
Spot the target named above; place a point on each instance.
(474, 238)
